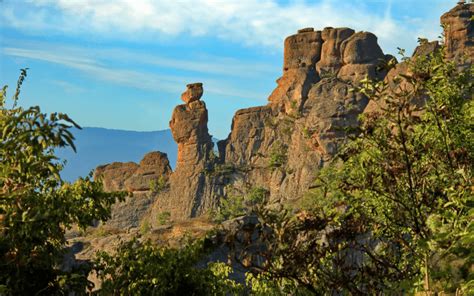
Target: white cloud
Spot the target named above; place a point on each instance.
(251, 22)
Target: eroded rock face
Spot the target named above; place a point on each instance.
(193, 93)
(459, 33)
(459, 47)
(189, 128)
(309, 113)
(133, 177)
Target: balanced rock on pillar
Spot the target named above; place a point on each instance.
(193, 93)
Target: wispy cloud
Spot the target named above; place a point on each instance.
(68, 87)
(98, 69)
(95, 69)
(215, 65)
(252, 22)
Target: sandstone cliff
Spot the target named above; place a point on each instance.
(282, 145)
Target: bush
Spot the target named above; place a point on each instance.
(278, 155)
(240, 205)
(394, 212)
(158, 185)
(163, 218)
(144, 269)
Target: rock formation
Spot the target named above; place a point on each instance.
(188, 125)
(133, 177)
(138, 179)
(459, 33)
(193, 93)
(282, 145)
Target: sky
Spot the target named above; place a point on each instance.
(123, 64)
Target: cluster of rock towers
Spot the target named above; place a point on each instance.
(305, 121)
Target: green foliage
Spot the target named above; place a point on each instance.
(158, 185)
(239, 205)
(263, 284)
(101, 231)
(144, 269)
(278, 155)
(307, 133)
(417, 166)
(36, 205)
(394, 211)
(295, 110)
(163, 218)
(328, 74)
(223, 169)
(144, 227)
(227, 286)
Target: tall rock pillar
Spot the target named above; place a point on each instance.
(188, 125)
(189, 128)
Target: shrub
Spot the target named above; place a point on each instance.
(278, 155)
(163, 218)
(158, 185)
(393, 213)
(239, 205)
(144, 269)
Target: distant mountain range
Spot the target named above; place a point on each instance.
(96, 146)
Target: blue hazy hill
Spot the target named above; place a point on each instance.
(96, 146)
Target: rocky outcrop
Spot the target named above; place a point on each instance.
(361, 55)
(189, 128)
(302, 50)
(459, 33)
(279, 146)
(282, 145)
(114, 175)
(139, 179)
(154, 167)
(193, 93)
(132, 177)
(459, 47)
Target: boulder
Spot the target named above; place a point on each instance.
(302, 50)
(193, 93)
(361, 48)
(331, 55)
(114, 175)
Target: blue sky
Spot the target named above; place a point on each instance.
(123, 64)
